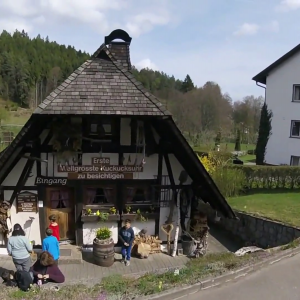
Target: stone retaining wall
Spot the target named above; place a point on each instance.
(254, 230)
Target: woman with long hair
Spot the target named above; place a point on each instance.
(45, 269)
(20, 248)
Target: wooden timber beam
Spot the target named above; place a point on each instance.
(22, 180)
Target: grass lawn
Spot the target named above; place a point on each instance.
(279, 206)
(248, 158)
(230, 147)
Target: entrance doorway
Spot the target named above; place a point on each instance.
(60, 202)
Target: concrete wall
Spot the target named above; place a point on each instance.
(254, 230)
(279, 94)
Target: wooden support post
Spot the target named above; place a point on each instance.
(168, 226)
(23, 178)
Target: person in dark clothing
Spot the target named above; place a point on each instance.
(45, 270)
(126, 236)
(8, 278)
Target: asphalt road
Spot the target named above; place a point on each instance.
(279, 281)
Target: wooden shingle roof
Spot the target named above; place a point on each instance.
(102, 85)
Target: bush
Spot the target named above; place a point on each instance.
(270, 177)
(251, 152)
(231, 182)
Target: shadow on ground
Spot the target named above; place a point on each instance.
(220, 239)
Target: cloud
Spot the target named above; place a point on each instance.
(247, 29)
(272, 27)
(288, 5)
(146, 63)
(253, 29)
(144, 22)
(101, 16)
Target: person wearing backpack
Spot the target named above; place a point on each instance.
(19, 248)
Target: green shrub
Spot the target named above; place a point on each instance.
(231, 182)
(270, 177)
(251, 152)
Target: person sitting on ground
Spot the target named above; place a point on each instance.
(8, 278)
(46, 270)
(126, 236)
(51, 244)
(20, 248)
(54, 226)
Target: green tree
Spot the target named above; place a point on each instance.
(187, 85)
(237, 146)
(264, 132)
(218, 139)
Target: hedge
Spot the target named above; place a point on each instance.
(270, 177)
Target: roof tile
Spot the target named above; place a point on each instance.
(105, 84)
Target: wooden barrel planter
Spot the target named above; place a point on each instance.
(104, 252)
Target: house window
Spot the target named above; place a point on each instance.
(295, 161)
(100, 129)
(138, 195)
(60, 199)
(99, 196)
(295, 129)
(296, 92)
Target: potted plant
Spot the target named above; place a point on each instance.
(113, 210)
(128, 209)
(89, 216)
(103, 247)
(140, 217)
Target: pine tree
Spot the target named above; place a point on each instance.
(264, 132)
(237, 146)
(187, 85)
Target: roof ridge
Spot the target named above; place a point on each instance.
(52, 96)
(136, 83)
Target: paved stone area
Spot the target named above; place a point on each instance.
(89, 273)
(276, 282)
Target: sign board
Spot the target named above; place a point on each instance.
(93, 176)
(100, 168)
(27, 202)
(57, 181)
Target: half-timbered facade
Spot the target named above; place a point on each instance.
(100, 149)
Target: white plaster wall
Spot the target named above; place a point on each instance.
(89, 231)
(14, 175)
(150, 168)
(31, 228)
(279, 94)
(147, 225)
(176, 169)
(125, 134)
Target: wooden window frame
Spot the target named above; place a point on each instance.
(109, 137)
(137, 186)
(100, 186)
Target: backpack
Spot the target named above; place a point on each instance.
(24, 280)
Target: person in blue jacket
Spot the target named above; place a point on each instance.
(126, 236)
(51, 244)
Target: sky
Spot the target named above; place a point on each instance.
(225, 41)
